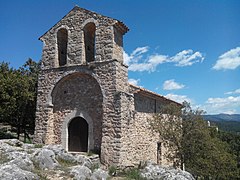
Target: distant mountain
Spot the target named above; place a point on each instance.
(225, 122)
(222, 117)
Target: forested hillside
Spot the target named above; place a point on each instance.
(223, 117)
(225, 122)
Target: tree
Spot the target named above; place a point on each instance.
(194, 143)
(18, 96)
(233, 140)
(30, 70)
(168, 125)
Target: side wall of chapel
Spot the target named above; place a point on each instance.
(139, 142)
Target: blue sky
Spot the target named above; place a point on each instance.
(185, 50)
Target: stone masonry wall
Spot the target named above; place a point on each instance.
(139, 142)
(118, 45)
(74, 22)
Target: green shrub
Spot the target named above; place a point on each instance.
(38, 145)
(133, 174)
(6, 135)
(112, 170)
(94, 167)
(66, 163)
(37, 170)
(3, 158)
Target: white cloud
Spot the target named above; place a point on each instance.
(157, 59)
(172, 85)
(139, 60)
(134, 81)
(228, 60)
(223, 101)
(227, 105)
(141, 67)
(222, 105)
(150, 65)
(187, 58)
(140, 50)
(233, 111)
(135, 56)
(237, 91)
(179, 98)
(126, 58)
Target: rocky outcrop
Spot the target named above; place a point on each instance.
(12, 172)
(99, 174)
(30, 162)
(152, 171)
(81, 172)
(45, 159)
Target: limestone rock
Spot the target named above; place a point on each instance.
(18, 161)
(157, 172)
(57, 149)
(81, 172)
(9, 145)
(67, 157)
(13, 142)
(61, 153)
(12, 172)
(45, 158)
(23, 163)
(99, 174)
(83, 160)
(27, 146)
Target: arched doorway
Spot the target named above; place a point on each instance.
(78, 135)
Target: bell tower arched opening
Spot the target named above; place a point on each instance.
(78, 135)
(62, 40)
(89, 41)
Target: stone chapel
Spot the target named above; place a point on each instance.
(85, 102)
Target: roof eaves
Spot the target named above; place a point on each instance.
(152, 94)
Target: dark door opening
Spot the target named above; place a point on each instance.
(78, 135)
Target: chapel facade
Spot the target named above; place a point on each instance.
(84, 100)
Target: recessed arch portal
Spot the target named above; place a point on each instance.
(77, 95)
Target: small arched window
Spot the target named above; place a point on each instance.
(62, 40)
(89, 41)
